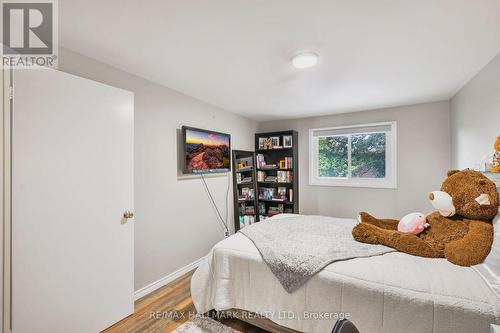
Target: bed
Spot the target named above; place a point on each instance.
(390, 293)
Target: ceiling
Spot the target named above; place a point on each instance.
(235, 54)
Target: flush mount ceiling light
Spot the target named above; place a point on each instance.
(305, 60)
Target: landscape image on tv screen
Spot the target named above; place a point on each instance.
(206, 151)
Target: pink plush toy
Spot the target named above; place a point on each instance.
(413, 223)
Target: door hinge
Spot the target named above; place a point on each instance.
(11, 92)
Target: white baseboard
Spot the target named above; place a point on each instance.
(166, 279)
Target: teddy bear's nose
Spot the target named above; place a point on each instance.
(431, 196)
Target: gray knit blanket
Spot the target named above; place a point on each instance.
(297, 247)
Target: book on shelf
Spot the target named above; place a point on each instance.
(286, 163)
(270, 194)
(271, 179)
(267, 167)
(282, 193)
(261, 176)
(246, 220)
(262, 208)
(276, 210)
(243, 180)
(290, 195)
(284, 176)
(262, 164)
(260, 160)
(247, 193)
(281, 208)
(267, 193)
(282, 164)
(246, 209)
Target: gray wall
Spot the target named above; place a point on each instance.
(423, 159)
(475, 117)
(175, 223)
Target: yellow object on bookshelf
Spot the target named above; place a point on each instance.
(285, 163)
(268, 143)
(495, 166)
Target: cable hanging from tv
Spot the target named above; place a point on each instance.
(222, 221)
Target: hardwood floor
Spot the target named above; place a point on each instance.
(166, 309)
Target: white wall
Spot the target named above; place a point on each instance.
(5, 108)
(423, 159)
(175, 223)
(475, 117)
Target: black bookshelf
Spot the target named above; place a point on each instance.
(239, 186)
(284, 177)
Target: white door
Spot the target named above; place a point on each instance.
(72, 180)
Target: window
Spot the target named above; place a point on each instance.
(360, 155)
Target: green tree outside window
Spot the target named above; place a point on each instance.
(367, 153)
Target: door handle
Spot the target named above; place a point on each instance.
(128, 215)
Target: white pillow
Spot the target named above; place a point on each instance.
(490, 268)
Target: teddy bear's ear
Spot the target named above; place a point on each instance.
(452, 172)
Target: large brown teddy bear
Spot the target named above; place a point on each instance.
(461, 231)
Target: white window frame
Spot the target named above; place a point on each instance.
(390, 181)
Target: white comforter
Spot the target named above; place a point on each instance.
(390, 293)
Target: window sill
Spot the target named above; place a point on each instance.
(381, 185)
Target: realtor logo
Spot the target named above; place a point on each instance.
(29, 33)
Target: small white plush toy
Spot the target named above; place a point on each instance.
(413, 223)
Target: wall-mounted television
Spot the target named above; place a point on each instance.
(205, 151)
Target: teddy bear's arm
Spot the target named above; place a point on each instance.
(404, 242)
(473, 248)
(381, 223)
